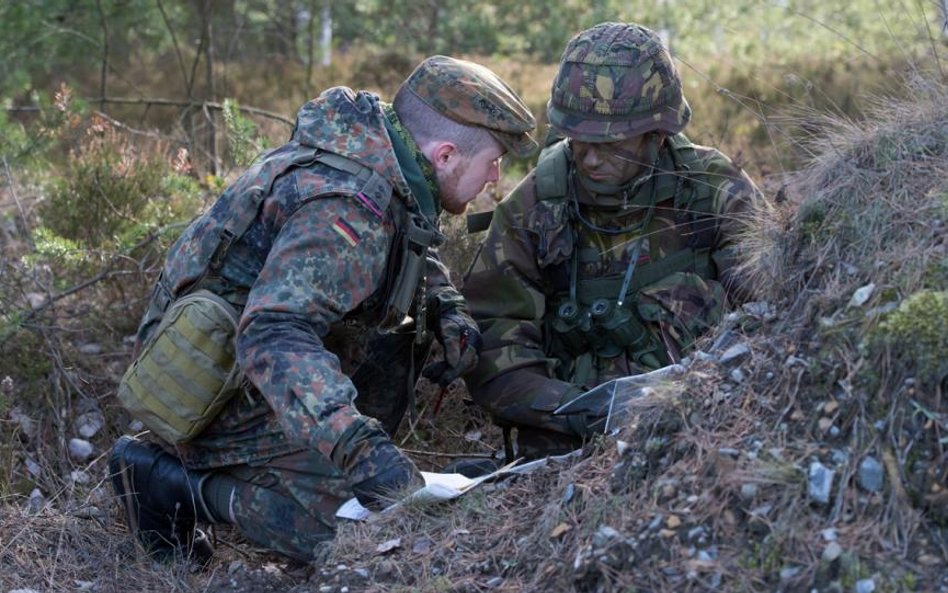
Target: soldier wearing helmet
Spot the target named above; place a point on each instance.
(614, 254)
(324, 249)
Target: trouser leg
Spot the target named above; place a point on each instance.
(287, 504)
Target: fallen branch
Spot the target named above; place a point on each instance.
(169, 103)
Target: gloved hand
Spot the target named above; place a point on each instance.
(584, 423)
(377, 470)
(461, 339)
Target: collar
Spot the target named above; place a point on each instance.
(418, 171)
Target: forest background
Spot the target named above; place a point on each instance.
(122, 119)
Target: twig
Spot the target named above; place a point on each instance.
(167, 103)
(458, 455)
(24, 227)
(104, 274)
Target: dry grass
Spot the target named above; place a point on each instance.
(708, 490)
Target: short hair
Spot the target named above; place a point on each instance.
(427, 125)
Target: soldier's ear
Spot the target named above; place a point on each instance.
(442, 154)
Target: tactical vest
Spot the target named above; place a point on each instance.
(600, 316)
(414, 233)
(187, 370)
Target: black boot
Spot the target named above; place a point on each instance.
(161, 499)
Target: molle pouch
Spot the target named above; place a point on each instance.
(188, 371)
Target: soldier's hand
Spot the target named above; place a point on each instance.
(461, 339)
(377, 470)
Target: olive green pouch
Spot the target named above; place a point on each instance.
(188, 371)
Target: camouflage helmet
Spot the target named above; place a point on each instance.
(616, 81)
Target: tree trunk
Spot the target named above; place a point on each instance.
(944, 18)
(205, 10)
(325, 40)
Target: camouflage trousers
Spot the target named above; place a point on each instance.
(288, 503)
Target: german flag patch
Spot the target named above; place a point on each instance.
(346, 231)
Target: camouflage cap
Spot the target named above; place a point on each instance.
(616, 81)
(472, 95)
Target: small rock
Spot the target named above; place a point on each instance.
(361, 572)
(388, 546)
(794, 361)
(36, 501)
(729, 452)
(820, 482)
(6, 385)
(495, 582)
(80, 449)
(871, 475)
(758, 309)
(90, 424)
(326, 589)
(91, 349)
(824, 424)
(604, 535)
(862, 295)
(80, 477)
(27, 426)
(422, 546)
(735, 355)
(865, 586)
(736, 375)
(568, 493)
(749, 492)
(33, 468)
(829, 534)
(789, 572)
(723, 341)
(832, 552)
(136, 426)
(656, 523)
(673, 522)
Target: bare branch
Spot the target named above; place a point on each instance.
(170, 103)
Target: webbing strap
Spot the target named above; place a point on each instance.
(371, 185)
(551, 172)
(683, 260)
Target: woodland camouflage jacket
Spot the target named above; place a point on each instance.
(521, 277)
(310, 276)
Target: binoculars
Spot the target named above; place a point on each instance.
(601, 328)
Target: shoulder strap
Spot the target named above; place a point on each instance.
(551, 172)
(372, 187)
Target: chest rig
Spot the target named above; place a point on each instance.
(599, 316)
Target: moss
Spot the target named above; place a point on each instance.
(917, 334)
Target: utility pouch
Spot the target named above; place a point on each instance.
(417, 238)
(188, 371)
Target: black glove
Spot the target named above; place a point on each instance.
(377, 470)
(461, 339)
